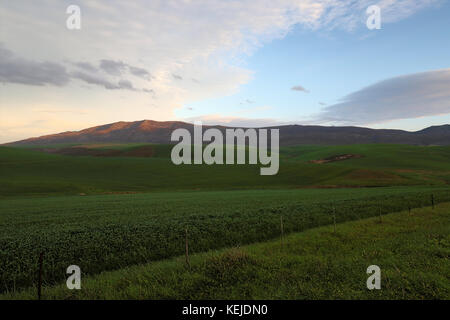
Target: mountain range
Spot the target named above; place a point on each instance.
(150, 131)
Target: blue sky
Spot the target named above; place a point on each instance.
(333, 63)
(231, 62)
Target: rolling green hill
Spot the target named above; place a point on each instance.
(144, 168)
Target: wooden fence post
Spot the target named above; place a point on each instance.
(187, 248)
(282, 231)
(39, 288)
(432, 201)
(380, 214)
(334, 218)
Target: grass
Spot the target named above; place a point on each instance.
(101, 233)
(27, 172)
(110, 213)
(412, 251)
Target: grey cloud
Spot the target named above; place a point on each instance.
(139, 72)
(322, 103)
(148, 91)
(115, 68)
(85, 66)
(125, 84)
(14, 69)
(18, 70)
(92, 79)
(409, 96)
(299, 88)
(177, 77)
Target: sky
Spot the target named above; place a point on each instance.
(232, 62)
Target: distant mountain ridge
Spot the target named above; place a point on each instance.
(160, 131)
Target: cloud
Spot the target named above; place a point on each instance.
(203, 39)
(115, 68)
(15, 69)
(299, 88)
(118, 68)
(404, 97)
(139, 72)
(18, 70)
(177, 77)
(96, 80)
(85, 66)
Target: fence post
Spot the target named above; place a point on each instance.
(282, 231)
(432, 201)
(380, 214)
(334, 218)
(41, 260)
(187, 248)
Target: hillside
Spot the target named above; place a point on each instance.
(97, 169)
(149, 131)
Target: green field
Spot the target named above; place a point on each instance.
(106, 213)
(110, 232)
(412, 250)
(27, 172)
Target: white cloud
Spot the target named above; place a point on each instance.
(205, 40)
(405, 97)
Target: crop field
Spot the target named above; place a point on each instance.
(107, 207)
(411, 248)
(28, 172)
(109, 232)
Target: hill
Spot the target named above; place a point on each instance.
(149, 131)
(94, 169)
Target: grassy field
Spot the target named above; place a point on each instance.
(412, 250)
(110, 232)
(132, 206)
(24, 171)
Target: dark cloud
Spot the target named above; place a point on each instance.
(322, 103)
(17, 70)
(139, 72)
(14, 69)
(410, 96)
(115, 68)
(177, 77)
(85, 66)
(125, 84)
(299, 88)
(148, 90)
(96, 80)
